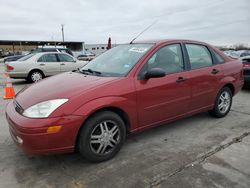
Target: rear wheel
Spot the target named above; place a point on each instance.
(223, 103)
(35, 76)
(102, 136)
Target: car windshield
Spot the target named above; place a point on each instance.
(117, 61)
(26, 57)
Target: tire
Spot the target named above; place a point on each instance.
(35, 76)
(223, 103)
(101, 137)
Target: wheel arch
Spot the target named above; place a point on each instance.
(231, 87)
(36, 69)
(124, 116)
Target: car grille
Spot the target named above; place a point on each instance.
(17, 107)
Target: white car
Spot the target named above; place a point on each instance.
(35, 67)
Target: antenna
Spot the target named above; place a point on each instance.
(143, 31)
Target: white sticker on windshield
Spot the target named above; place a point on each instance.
(138, 50)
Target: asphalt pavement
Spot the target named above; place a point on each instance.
(199, 151)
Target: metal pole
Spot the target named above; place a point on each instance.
(62, 32)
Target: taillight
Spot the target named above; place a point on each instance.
(246, 65)
(10, 68)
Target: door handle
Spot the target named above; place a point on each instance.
(181, 79)
(62, 64)
(215, 71)
(42, 64)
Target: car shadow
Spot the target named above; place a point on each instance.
(19, 82)
(246, 89)
(75, 157)
(74, 166)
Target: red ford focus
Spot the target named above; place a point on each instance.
(129, 88)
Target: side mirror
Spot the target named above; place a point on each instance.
(154, 73)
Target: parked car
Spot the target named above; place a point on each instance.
(86, 57)
(246, 67)
(39, 50)
(35, 67)
(127, 89)
(245, 53)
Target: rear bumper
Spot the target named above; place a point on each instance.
(17, 74)
(31, 134)
(247, 75)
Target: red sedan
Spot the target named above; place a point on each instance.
(127, 89)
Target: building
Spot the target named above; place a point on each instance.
(20, 46)
(14, 46)
(96, 49)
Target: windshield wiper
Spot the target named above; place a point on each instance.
(90, 71)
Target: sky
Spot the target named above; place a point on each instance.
(219, 22)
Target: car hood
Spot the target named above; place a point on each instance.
(66, 85)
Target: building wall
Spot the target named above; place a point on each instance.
(17, 48)
(7, 47)
(96, 48)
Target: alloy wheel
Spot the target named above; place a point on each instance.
(104, 137)
(224, 102)
(36, 76)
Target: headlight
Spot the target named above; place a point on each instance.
(43, 109)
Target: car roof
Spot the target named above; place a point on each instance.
(44, 53)
(161, 41)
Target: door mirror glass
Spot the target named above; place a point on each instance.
(154, 73)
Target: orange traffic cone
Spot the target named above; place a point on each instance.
(9, 90)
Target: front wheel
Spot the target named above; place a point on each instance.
(223, 103)
(102, 136)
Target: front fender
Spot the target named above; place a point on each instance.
(124, 104)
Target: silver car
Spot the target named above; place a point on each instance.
(35, 67)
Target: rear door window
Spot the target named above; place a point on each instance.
(48, 58)
(199, 56)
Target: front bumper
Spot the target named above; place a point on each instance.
(31, 134)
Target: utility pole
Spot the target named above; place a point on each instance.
(62, 32)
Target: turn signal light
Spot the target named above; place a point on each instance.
(54, 129)
(10, 68)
